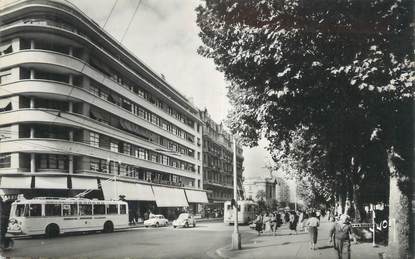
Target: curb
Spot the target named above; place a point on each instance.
(220, 253)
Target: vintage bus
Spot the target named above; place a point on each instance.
(54, 216)
(246, 212)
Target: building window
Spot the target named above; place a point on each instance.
(127, 149)
(5, 160)
(94, 139)
(94, 164)
(198, 169)
(165, 160)
(115, 167)
(154, 158)
(53, 162)
(148, 176)
(142, 154)
(164, 125)
(198, 183)
(114, 147)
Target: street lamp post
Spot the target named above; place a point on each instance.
(236, 236)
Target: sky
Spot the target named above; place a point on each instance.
(164, 35)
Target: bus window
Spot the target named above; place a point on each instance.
(35, 210)
(85, 209)
(20, 209)
(53, 210)
(70, 210)
(112, 209)
(123, 209)
(99, 209)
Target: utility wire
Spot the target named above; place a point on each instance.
(109, 15)
(132, 18)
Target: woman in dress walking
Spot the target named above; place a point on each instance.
(313, 223)
(258, 223)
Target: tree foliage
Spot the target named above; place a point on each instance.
(343, 70)
(339, 69)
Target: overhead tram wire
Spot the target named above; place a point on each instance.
(132, 18)
(109, 15)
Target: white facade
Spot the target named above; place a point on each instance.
(76, 105)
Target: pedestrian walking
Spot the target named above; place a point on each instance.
(5, 242)
(279, 220)
(287, 217)
(304, 221)
(274, 223)
(266, 221)
(258, 223)
(332, 231)
(343, 233)
(293, 222)
(313, 223)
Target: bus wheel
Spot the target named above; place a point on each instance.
(108, 227)
(52, 230)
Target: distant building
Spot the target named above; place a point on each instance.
(282, 191)
(218, 162)
(268, 185)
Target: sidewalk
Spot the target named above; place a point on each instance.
(287, 246)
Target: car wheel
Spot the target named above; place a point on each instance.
(157, 225)
(174, 226)
(186, 225)
(194, 224)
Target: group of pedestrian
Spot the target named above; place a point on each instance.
(268, 222)
(340, 231)
(271, 221)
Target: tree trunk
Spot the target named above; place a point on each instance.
(399, 220)
(357, 206)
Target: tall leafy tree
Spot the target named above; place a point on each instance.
(343, 69)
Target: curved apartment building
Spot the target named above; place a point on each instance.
(81, 114)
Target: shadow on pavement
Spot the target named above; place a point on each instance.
(324, 247)
(269, 245)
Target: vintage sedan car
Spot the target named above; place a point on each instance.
(156, 221)
(184, 220)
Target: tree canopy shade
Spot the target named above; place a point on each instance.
(342, 71)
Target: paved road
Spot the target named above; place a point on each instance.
(199, 242)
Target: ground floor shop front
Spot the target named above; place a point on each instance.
(143, 199)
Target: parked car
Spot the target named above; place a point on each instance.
(156, 221)
(185, 220)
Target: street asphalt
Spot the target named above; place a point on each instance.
(164, 242)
